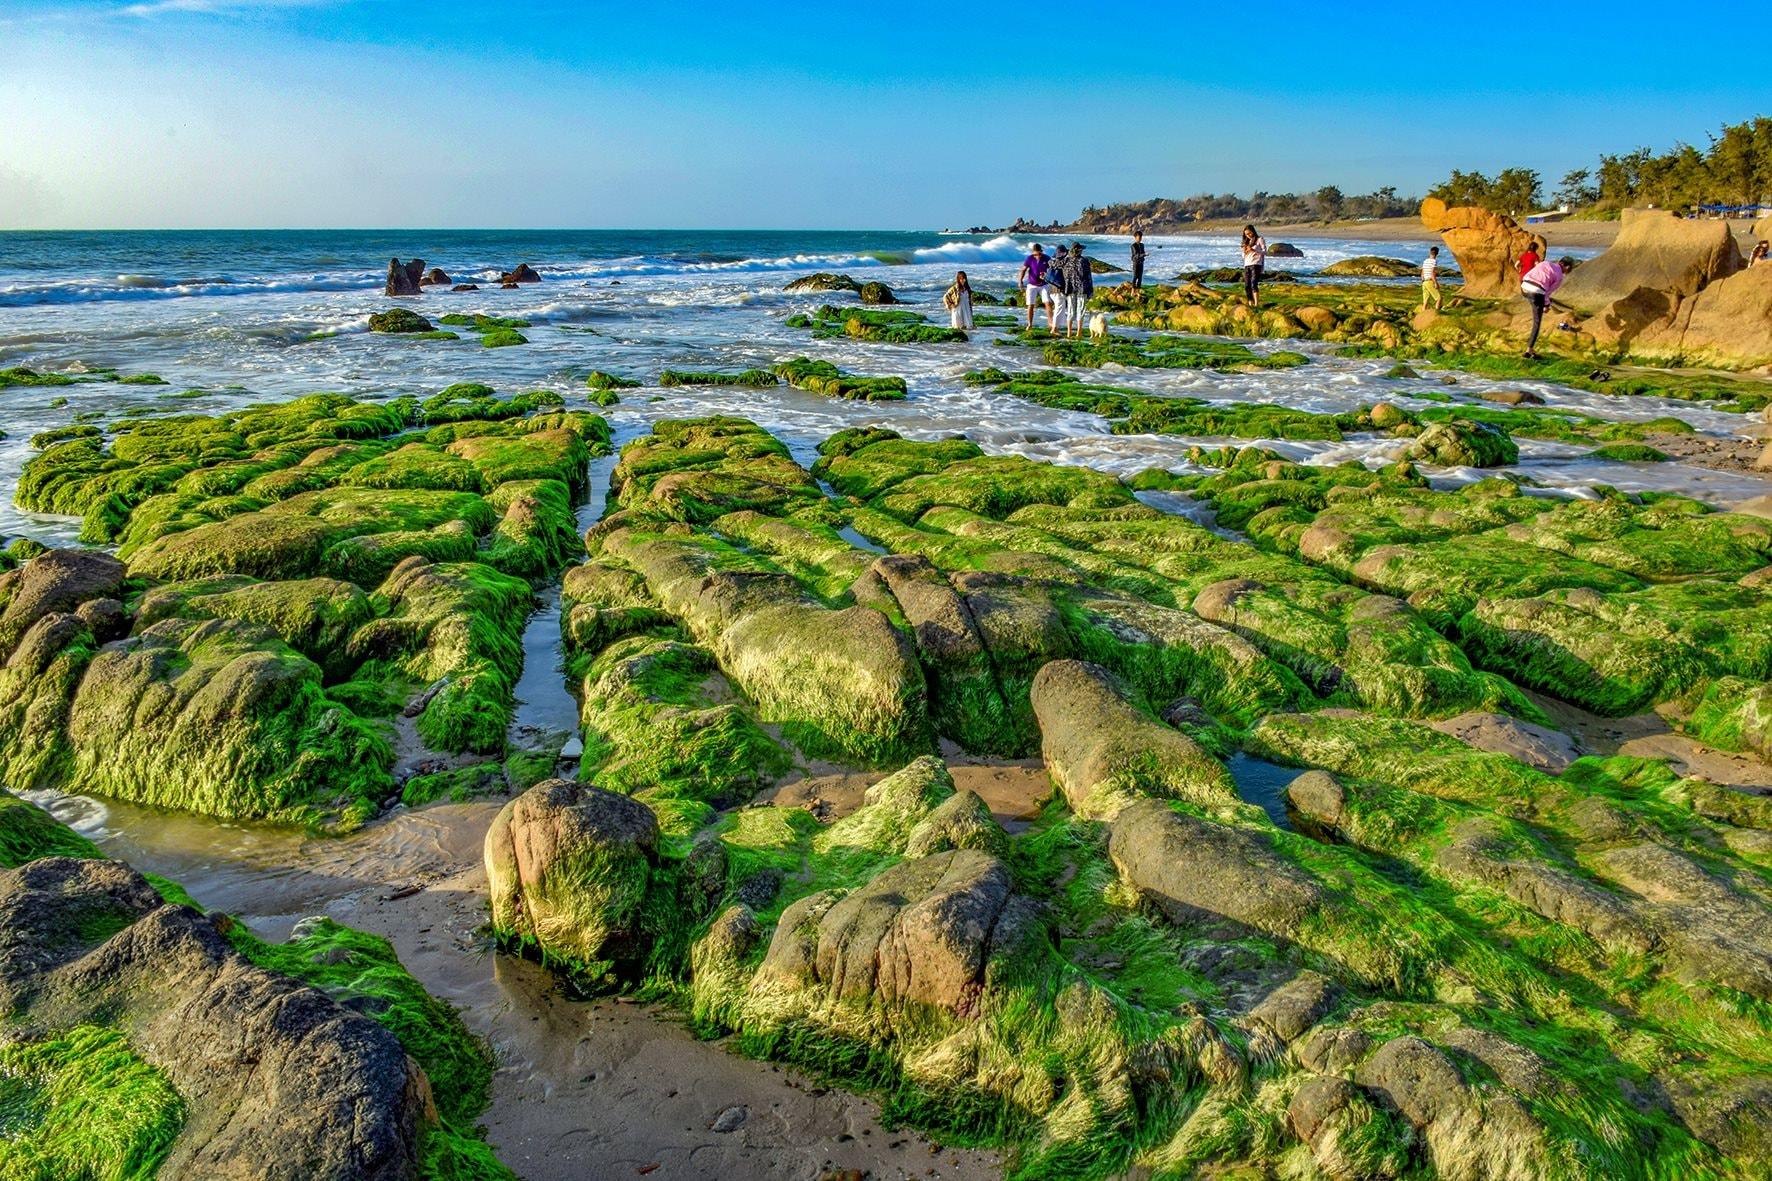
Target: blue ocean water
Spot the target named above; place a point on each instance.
(231, 317)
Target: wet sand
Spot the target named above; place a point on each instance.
(583, 1089)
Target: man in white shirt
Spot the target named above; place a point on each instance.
(1430, 279)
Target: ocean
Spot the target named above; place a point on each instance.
(231, 317)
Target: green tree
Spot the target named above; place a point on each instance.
(1329, 201)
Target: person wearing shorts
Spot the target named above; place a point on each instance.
(1058, 284)
(1034, 271)
(1079, 286)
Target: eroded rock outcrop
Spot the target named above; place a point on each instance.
(405, 278)
(278, 1081)
(1487, 245)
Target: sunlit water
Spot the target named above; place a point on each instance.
(230, 314)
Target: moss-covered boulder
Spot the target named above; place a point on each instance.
(399, 320)
(568, 868)
(823, 281)
(877, 293)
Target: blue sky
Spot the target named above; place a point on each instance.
(127, 113)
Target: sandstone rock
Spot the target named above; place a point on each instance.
(1487, 246)
(1654, 250)
(279, 1081)
(1511, 397)
(567, 866)
(1104, 752)
(1317, 796)
(1385, 416)
(1463, 444)
(1731, 320)
(405, 278)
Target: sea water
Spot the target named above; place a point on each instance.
(230, 318)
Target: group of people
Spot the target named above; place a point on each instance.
(1063, 283)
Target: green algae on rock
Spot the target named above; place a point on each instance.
(277, 555)
(822, 377)
(399, 320)
(1154, 975)
(103, 1066)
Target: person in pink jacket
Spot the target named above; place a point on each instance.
(1538, 285)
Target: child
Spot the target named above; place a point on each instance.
(1430, 279)
(958, 302)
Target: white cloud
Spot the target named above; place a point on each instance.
(152, 8)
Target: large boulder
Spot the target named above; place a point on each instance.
(925, 932)
(1730, 321)
(1105, 753)
(57, 581)
(1191, 867)
(436, 277)
(523, 273)
(567, 869)
(1654, 250)
(823, 281)
(1487, 245)
(279, 1081)
(405, 278)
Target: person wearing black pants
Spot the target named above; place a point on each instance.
(1254, 259)
(1538, 285)
(1138, 258)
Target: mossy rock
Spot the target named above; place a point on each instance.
(399, 320)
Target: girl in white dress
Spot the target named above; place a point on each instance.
(958, 302)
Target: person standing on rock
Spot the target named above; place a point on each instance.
(1430, 279)
(1035, 271)
(1058, 286)
(958, 301)
(1137, 259)
(1079, 285)
(1538, 285)
(1254, 261)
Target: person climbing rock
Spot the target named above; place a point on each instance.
(1538, 285)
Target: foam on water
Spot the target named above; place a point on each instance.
(635, 304)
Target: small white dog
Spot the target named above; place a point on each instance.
(1098, 327)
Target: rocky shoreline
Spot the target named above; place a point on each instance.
(1063, 825)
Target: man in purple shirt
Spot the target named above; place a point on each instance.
(1033, 277)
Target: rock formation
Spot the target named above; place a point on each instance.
(405, 278)
(1487, 245)
(1658, 251)
(278, 1081)
(1675, 288)
(436, 277)
(523, 273)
